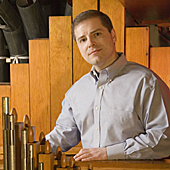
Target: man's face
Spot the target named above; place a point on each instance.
(96, 43)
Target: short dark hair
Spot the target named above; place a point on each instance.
(105, 20)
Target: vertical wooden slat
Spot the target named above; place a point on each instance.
(20, 89)
(137, 45)
(116, 11)
(39, 85)
(60, 62)
(80, 66)
(160, 62)
(4, 92)
(80, 6)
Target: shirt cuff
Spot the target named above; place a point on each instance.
(116, 151)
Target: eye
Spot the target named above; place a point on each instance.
(97, 34)
(82, 40)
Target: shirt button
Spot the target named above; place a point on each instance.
(97, 108)
(100, 87)
(96, 128)
(110, 80)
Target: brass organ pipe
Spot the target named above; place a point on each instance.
(40, 166)
(5, 112)
(24, 144)
(31, 156)
(11, 143)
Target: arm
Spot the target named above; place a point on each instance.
(65, 134)
(152, 106)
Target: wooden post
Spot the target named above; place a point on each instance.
(33, 149)
(47, 158)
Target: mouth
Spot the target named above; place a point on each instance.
(94, 52)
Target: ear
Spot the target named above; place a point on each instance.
(113, 34)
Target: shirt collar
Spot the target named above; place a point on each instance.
(112, 70)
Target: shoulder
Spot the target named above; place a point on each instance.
(80, 85)
(140, 70)
(85, 80)
(142, 73)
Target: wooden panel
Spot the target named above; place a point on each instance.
(80, 6)
(124, 165)
(20, 89)
(39, 85)
(116, 11)
(80, 66)
(113, 165)
(4, 91)
(160, 62)
(60, 62)
(137, 45)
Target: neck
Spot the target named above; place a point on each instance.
(114, 59)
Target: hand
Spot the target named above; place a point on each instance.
(91, 154)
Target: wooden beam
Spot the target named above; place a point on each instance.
(125, 165)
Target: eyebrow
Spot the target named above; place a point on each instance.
(90, 33)
(96, 30)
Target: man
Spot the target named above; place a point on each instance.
(120, 109)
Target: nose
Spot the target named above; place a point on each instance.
(91, 42)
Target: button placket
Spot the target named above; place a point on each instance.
(99, 92)
(97, 104)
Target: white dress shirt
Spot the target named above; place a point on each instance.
(125, 109)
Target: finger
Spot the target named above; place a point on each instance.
(88, 159)
(77, 157)
(81, 152)
(78, 154)
(81, 156)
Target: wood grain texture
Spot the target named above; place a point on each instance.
(137, 45)
(20, 89)
(80, 66)
(48, 160)
(116, 11)
(60, 62)
(145, 10)
(160, 62)
(5, 91)
(80, 6)
(124, 165)
(39, 85)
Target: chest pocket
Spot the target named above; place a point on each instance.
(123, 120)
